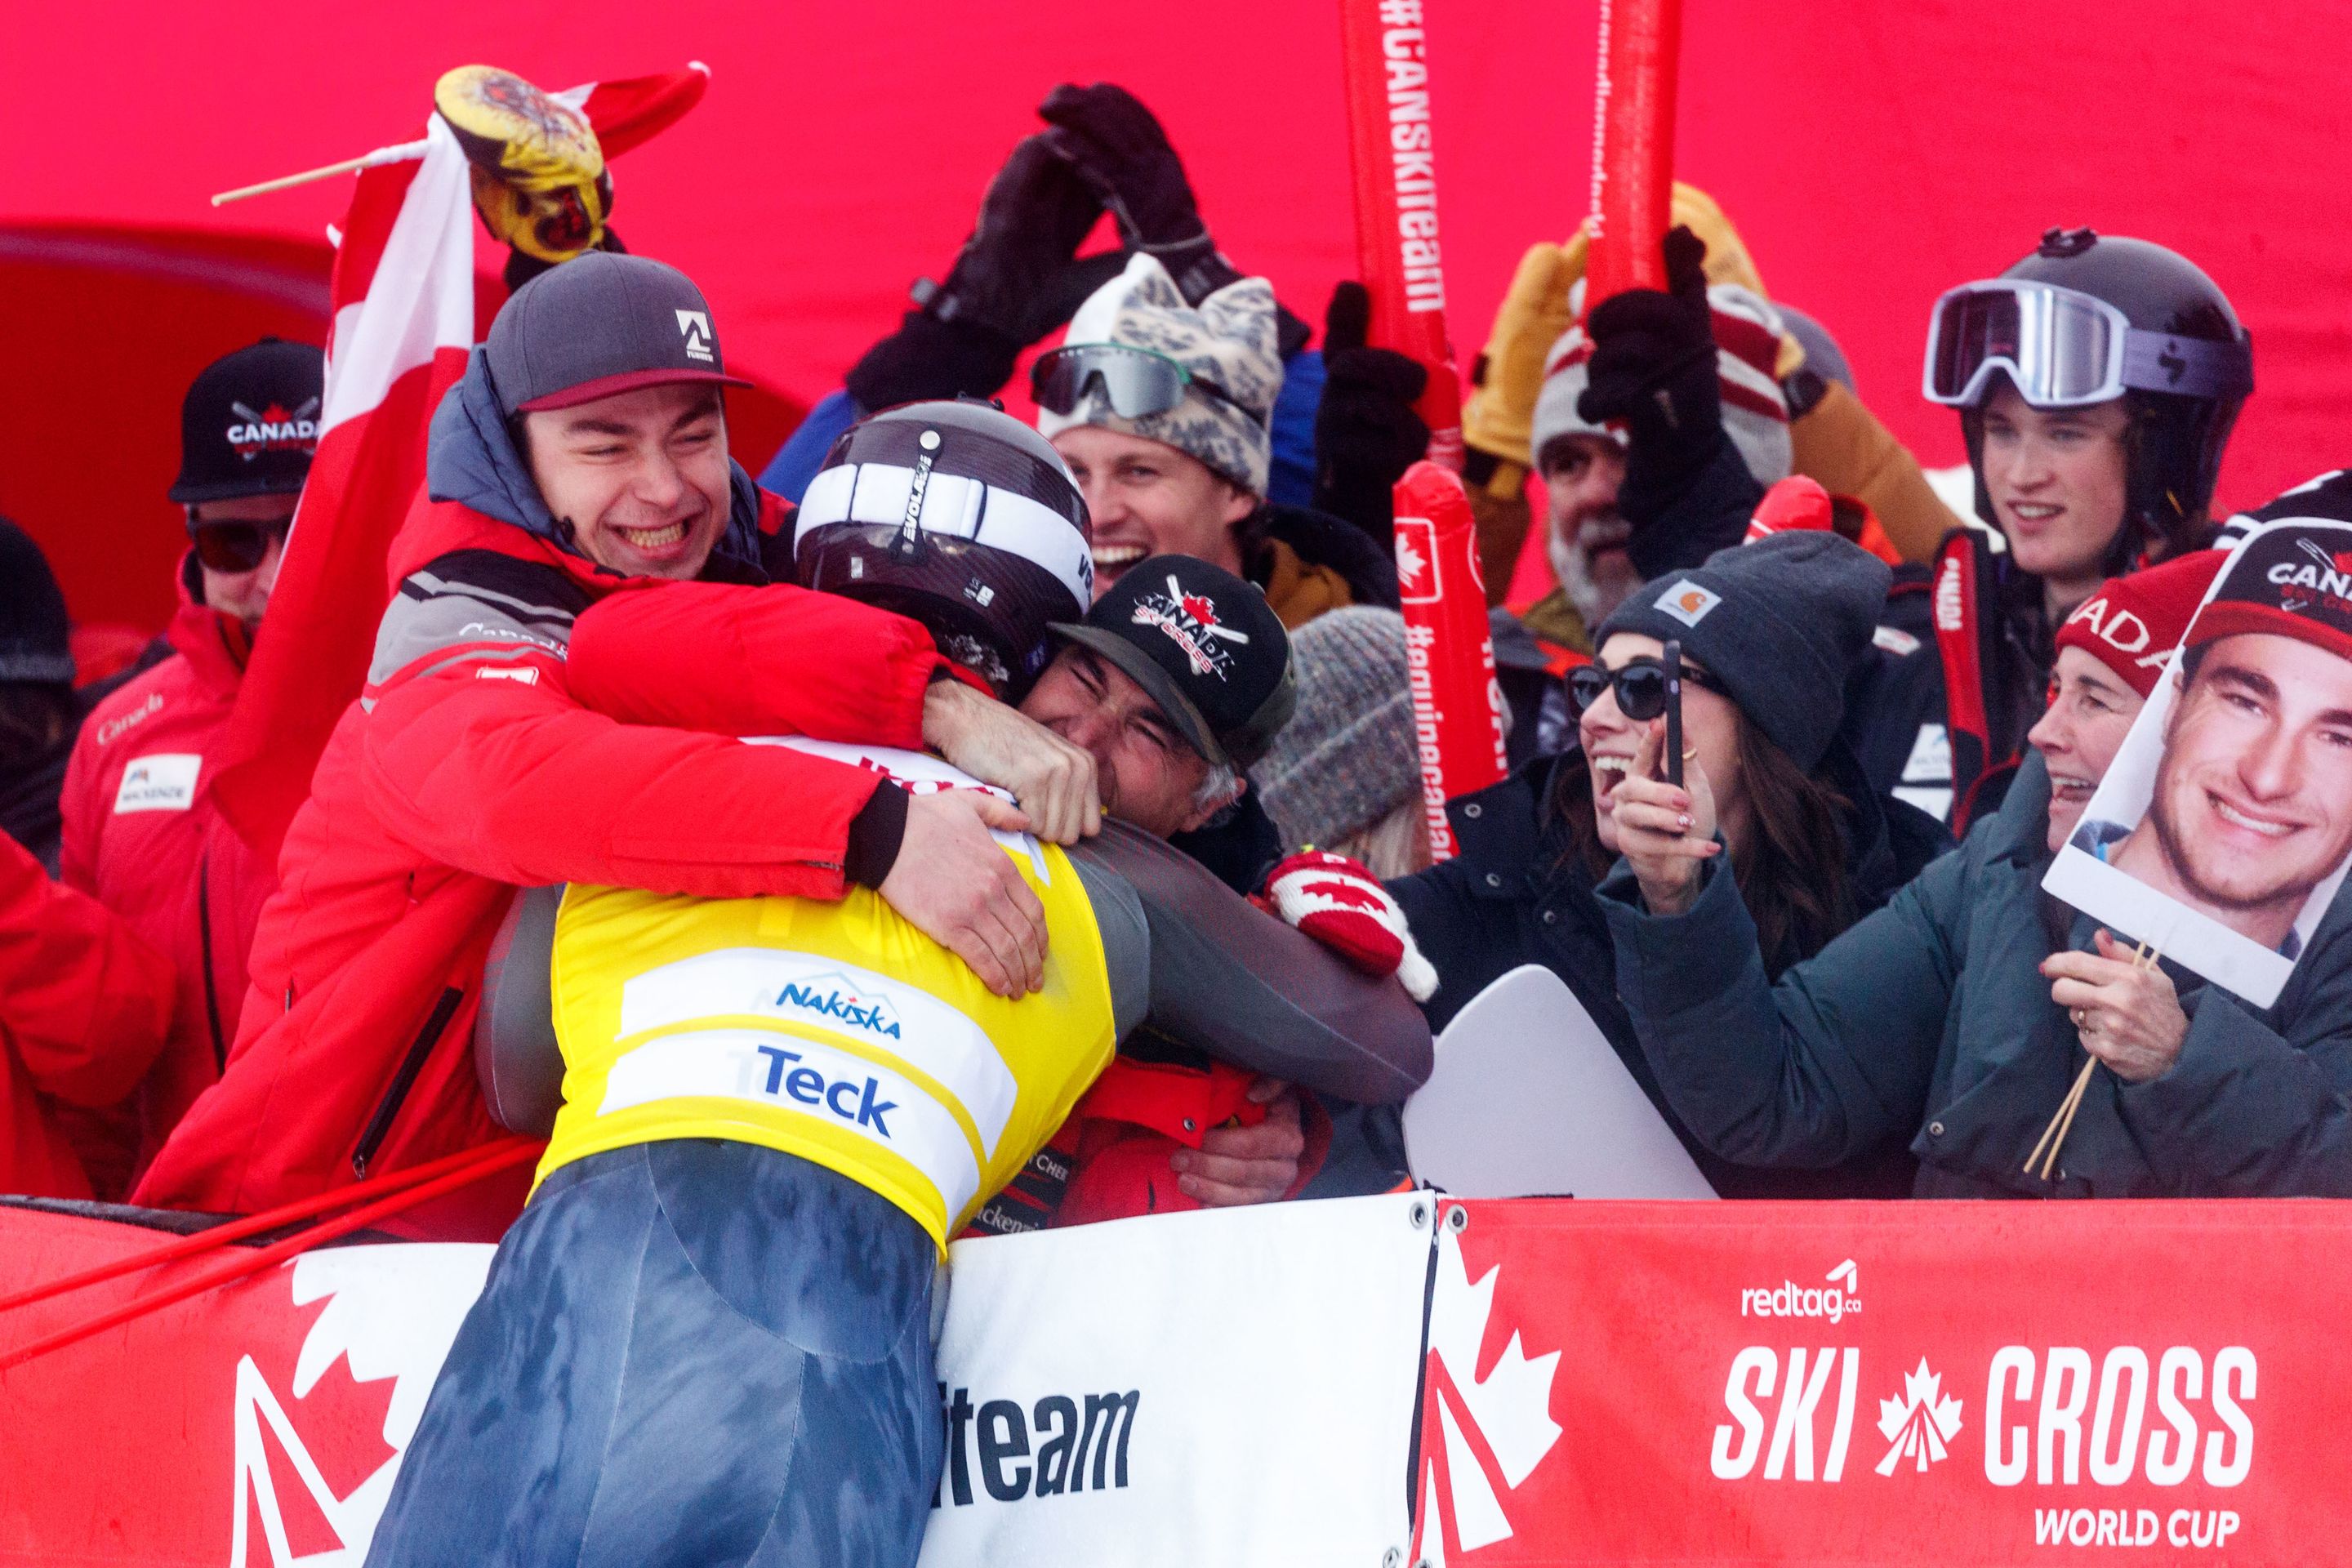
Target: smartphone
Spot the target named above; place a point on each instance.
(1673, 660)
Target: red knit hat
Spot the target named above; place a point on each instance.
(2133, 623)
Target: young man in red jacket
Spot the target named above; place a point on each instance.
(83, 1007)
(579, 628)
(141, 833)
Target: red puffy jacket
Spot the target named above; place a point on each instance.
(143, 838)
(84, 1005)
(529, 719)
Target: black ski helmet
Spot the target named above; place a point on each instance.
(2176, 440)
(957, 515)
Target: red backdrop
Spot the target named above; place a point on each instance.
(1872, 155)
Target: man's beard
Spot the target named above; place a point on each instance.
(1595, 583)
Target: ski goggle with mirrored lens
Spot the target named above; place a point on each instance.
(2063, 349)
(237, 546)
(1134, 381)
(1640, 685)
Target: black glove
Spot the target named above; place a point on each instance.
(1118, 148)
(1366, 432)
(1015, 279)
(1116, 145)
(1653, 367)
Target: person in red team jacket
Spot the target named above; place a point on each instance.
(581, 627)
(83, 1007)
(141, 833)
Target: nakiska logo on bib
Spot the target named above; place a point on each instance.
(1191, 622)
(1687, 602)
(274, 430)
(694, 328)
(832, 999)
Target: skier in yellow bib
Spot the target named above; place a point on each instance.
(707, 1337)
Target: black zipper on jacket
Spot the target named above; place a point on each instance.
(396, 1092)
(205, 942)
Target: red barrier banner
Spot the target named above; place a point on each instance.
(1385, 53)
(1458, 704)
(1887, 1384)
(1633, 146)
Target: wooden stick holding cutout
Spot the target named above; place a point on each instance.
(2054, 1137)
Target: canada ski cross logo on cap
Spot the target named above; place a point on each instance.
(1189, 620)
(274, 430)
(694, 326)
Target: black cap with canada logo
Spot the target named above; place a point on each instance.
(598, 325)
(250, 423)
(1207, 648)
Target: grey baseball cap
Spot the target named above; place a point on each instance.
(601, 324)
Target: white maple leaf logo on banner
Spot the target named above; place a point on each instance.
(392, 1312)
(1921, 1424)
(1497, 1428)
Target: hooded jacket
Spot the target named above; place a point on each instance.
(84, 1005)
(1931, 1019)
(143, 838)
(1516, 894)
(529, 717)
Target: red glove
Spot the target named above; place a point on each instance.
(1343, 906)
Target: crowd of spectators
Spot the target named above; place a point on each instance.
(1824, 953)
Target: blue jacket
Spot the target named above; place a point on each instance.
(1931, 1019)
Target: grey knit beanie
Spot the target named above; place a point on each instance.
(1347, 757)
(1778, 624)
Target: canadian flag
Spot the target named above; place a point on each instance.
(402, 295)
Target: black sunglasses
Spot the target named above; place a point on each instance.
(237, 546)
(1640, 687)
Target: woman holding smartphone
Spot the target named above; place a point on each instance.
(1957, 1017)
(1768, 634)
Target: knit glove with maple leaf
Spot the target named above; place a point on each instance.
(1342, 905)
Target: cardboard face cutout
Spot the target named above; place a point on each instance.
(2223, 831)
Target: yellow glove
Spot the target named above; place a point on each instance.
(1534, 314)
(540, 180)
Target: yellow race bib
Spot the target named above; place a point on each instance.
(834, 1031)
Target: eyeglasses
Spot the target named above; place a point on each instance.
(1135, 382)
(234, 547)
(1640, 685)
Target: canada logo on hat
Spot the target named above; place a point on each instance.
(1191, 621)
(274, 430)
